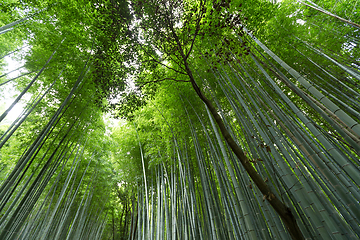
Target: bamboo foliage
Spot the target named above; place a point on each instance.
(37, 202)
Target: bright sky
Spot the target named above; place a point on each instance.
(8, 92)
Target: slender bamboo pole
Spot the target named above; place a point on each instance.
(316, 7)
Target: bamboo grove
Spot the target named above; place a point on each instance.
(235, 119)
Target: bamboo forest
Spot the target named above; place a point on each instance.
(179, 119)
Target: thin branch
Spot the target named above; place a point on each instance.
(161, 80)
(178, 61)
(150, 55)
(162, 49)
(196, 32)
(158, 62)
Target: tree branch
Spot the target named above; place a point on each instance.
(150, 55)
(197, 29)
(161, 80)
(158, 62)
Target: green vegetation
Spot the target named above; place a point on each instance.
(164, 119)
